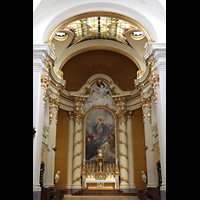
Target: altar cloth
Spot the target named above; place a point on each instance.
(92, 180)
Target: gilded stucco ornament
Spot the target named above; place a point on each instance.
(54, 103)
(146, 102)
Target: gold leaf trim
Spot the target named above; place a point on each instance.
(78, 154)
(77, 143)
(77, 179)
(123, 179)
(78, 166)
(120, 130)
(121, 154)
(79, 130)
(121, 142)
(122, 166)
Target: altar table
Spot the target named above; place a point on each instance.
(108, 184)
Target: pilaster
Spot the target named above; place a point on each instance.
(42, 61)
(70, 154)
(155, 57)
(151, 168)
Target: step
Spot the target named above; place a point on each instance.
(104, 193)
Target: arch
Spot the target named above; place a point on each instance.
(95, 44)
(56, 14)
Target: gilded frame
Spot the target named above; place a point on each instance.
(116, 128)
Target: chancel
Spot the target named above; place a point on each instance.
(99, 82)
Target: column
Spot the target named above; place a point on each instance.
(130, 151)
(150, 156)
(70, 154)
(78, 140)
(123, 154)
(40, 85)
(50, 160)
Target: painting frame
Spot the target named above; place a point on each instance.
(116, 128)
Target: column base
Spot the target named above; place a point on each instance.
(132, 186)
(151, 185)
(76, 188)
(69, 189)
(36, 193)
(124, 186)
(163, 194)
(49, 185)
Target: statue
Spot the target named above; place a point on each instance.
(57, 177)
(100, 94)
(144, 177)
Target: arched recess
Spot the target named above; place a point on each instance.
(95, 44)
(104, 9)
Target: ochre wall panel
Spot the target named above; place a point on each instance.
(139, 154)
(61, 154)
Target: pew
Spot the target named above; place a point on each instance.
(52, 193)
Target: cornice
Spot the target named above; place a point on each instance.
(56, 80)
(42, 50)
(143, 78)
(157, 50)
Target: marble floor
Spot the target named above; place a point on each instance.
(71, 197)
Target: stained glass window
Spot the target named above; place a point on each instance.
(100, 28)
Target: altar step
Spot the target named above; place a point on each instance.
(104, 193)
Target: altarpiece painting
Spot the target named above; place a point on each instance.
(100, 126)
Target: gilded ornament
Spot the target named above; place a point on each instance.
(79, 130)
(121, 142)
(120, 130)
(77, 143)
(123, 179)
(122, 166)
(122, 154)
(78, 166)
(78, 154)
(77, 179)
(146, 102)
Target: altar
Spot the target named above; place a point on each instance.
(108, 184)
(99, 175)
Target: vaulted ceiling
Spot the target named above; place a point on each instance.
(79, 68)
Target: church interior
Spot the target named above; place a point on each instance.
(99, 99)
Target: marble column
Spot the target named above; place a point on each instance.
(78, 149)
(130, 151)
(70, 154)
(150, 156)
(123, 152)
(50, 160)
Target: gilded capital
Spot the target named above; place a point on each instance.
(121, 109)
(129, 114)
(78, 111)
(154, 83)
(71, 115)
(53, 104)
(146, 102)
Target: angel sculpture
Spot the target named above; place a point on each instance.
(100, 95)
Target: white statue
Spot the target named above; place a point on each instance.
(144, 177)
(100, 96)
(57, 177)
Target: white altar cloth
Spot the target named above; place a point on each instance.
(92, 180)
